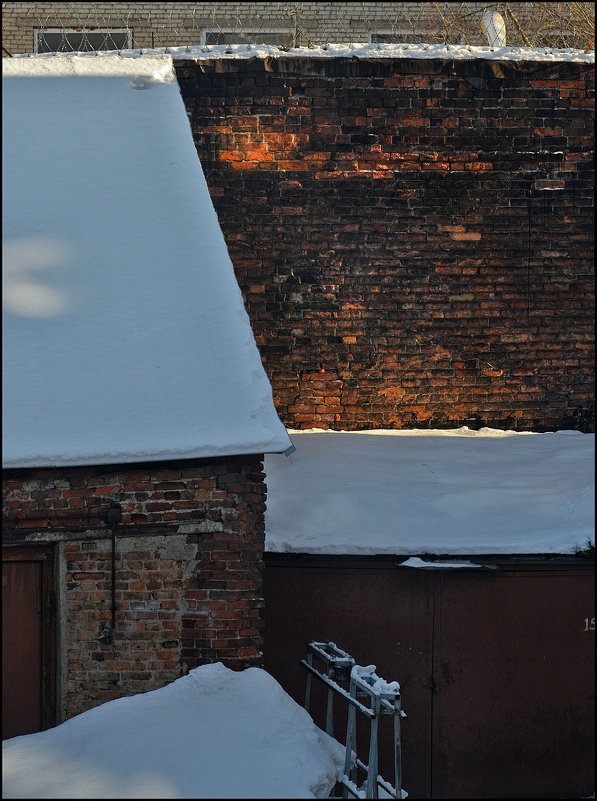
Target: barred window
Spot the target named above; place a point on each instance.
(405, 37)
(77, 40)
(217, 36)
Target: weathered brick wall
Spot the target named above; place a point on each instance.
(414, 240)
(188, 561)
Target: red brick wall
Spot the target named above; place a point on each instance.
(188, 568)
(414, 240)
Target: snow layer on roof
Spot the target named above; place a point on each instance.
(363, 50)
(432, 492)
(125, 336)
(66, 65)
(415, 561)
(214, 733)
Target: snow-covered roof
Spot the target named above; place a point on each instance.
(364, 50)
(458, 492)
(125, 336)
(214, 733)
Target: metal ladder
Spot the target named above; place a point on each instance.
(383, 698)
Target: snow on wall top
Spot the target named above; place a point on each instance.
(361, 50)
(432, 492)
(125, 336)
(157, 66)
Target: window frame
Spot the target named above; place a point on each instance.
(38, 34)
(288, 32)
(410, 37)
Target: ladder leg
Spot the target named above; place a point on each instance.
(397, 749)
(329, 717)
(350, 770)
(308, 683)
(373, 759)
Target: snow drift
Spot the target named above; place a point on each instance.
(214, 733)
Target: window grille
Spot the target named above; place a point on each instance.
(405, 37)
(219, 36)
(69, 40)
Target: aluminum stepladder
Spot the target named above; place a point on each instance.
(383, 698)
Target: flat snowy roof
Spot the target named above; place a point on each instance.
(125, 336)
(364, 50)
(458, 492)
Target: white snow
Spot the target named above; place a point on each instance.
(414, 561)
(377, 685)
(357, 50)
(214, 733)
(157, 67)
(416, 492)
(125, 337)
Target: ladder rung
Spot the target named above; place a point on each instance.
(385, 699)
(332, 684)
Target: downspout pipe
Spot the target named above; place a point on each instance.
(113, 519)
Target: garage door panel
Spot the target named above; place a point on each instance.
(515, 688)
(496, 667)
(379, 616)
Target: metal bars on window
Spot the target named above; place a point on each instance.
(78, 40)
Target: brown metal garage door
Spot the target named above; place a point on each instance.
(28, 641)
(496, 667)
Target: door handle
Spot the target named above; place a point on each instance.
(431, 685)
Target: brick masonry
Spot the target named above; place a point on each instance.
(414, 240)
(414, 245)
(175, 24)
(188, 566)
(304, 23)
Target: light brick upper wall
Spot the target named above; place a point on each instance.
(175, 24)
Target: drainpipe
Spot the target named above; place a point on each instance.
(113, 519)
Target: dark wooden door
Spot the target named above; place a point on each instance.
(496, 667)
(28, 641)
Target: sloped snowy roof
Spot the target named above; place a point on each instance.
(125, 337)
(458, 492)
